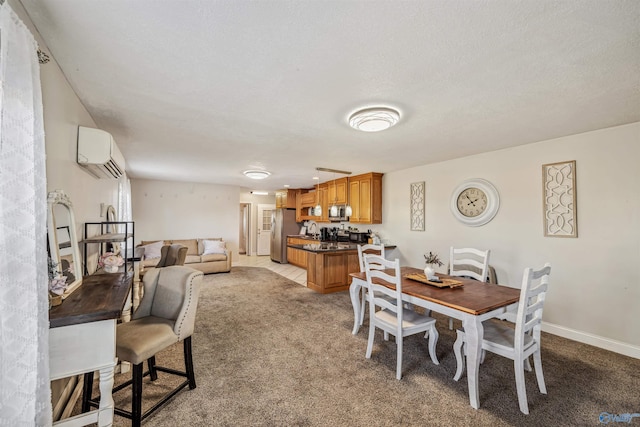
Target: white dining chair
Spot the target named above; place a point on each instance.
(362, 250)
(392, 317)
(468, 262)
(519, 343)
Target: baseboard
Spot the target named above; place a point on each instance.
(594, 340)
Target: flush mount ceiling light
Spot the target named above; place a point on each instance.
(256, 174)
(374, 119)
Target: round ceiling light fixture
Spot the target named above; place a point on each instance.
(256, 174)
(374, 119)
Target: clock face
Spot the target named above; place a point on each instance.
(475, 202)
(472, 202)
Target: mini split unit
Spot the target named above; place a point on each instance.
(99, 154)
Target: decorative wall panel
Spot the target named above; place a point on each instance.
(559, 203)
(417, 206)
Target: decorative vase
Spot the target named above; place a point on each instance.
(111, 268)
(430, 272)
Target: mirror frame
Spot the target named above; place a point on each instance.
(58, 197)
(111, 216)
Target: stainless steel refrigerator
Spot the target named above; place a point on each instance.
(283, 224)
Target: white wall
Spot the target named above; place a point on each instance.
(63, 112)
(184, 210)
(594, 293)
(254, 201)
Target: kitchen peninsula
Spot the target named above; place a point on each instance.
(328, 264)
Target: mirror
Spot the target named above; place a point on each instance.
(111, 214)
(63, 241)
(112, 228)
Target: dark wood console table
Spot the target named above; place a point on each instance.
(82, 338)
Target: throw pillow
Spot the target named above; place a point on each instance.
(152, 250)
(214, 247)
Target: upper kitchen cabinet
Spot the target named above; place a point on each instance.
(323, 198)
(338, 191)
(286, 199)
(365, 198)
(305, 202)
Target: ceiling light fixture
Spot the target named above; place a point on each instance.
(260, 193)
(374, 119)
(256, 174)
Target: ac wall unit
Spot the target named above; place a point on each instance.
(99, 154)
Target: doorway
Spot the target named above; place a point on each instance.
(265, 223)
(244, 238)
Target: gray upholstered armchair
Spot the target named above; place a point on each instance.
(165, 316)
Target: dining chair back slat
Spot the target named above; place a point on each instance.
(366, 250)
(518, 344)
(469, 262)
(387, 311)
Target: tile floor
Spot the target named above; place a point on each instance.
(291, 272)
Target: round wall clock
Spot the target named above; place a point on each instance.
(475, 202)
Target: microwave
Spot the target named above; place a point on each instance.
(340, 213)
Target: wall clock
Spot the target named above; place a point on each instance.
(475, 202)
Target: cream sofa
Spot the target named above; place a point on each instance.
(207, 263)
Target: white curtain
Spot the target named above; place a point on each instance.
(25, 395)
(124, 210)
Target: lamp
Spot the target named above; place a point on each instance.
(333, 210)
(317, 211)
(256, 174)
(374, 119)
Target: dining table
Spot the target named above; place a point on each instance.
(470, 301)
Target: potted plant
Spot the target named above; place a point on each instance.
(57, 283)
(110, 262)
(432, 260)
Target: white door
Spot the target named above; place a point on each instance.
(265, 218)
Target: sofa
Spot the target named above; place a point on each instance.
(207, 255)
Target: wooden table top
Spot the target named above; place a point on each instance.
(473, 297)
(100, 297)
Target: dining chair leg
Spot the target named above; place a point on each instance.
(537, 361)
(363, 304)
(518, 366)
(372, 332)
(399, 356)
(451, 323)
(153, 373)
(188, 363)
(87, 389)
(136, 395)
(433, 340)
(527, 365)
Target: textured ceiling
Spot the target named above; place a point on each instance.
(200, 90)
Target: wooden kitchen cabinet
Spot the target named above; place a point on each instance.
(323, 197)
(365, 198)
(281, 199)
(305, 199)
(338, 191)
(286, 199)
(297, 257)
(329, 271)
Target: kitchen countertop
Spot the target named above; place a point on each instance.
(326, 246)
(330, 246)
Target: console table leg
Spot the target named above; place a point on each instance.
(105, 414)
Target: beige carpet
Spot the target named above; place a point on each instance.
(269, 352)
